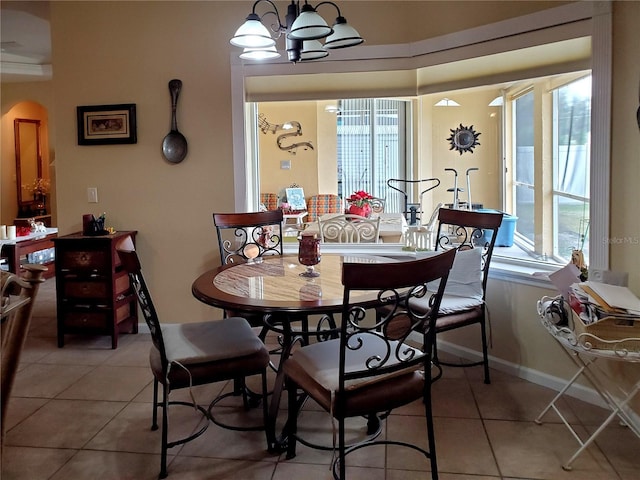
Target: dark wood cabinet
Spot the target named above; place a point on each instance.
(92, 289)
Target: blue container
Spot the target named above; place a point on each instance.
(505, 231)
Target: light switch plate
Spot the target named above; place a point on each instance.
(92, 195)
(285, 164)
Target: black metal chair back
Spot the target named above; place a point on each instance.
(464, 229)
(244, 236)
(131, 264)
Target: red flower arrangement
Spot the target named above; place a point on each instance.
(360, 198)
(359, 203)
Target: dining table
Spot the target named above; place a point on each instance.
(275, 287)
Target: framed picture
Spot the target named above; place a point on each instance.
(107, 124)
(295, 198)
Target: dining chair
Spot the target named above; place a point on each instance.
(245, 236)
(372, 368)
(323, 203)
(184, 355)
(348, 228)
(17, 300)
(473, 234)
(269, 200)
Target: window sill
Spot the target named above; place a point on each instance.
(502, 268)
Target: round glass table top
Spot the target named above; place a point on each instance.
(275, 283)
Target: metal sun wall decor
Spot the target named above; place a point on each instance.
(463, 139)
(265, 126)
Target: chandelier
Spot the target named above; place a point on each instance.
(303, 29)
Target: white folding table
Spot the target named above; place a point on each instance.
(579, 347)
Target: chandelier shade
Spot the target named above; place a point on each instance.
(344, 35)
(309, 25)
(302, 29)
(252, 34)
(312, 50)
(259, 53)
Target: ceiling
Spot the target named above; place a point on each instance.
(25, 36)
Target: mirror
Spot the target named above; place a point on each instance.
(28, 163)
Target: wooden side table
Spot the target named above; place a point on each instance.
(14, 249)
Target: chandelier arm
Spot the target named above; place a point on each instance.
(330, 3)
(280, 26)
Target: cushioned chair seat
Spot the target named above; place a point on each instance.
(205, 348)
(465, 317)
(315, 369)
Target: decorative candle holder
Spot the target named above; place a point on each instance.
(309, 254)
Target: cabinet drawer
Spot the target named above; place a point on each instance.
(94, 289)
(83, 259)
(86, 319)
(87, 290)
(94, 319)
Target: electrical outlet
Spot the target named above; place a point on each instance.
(92, 195)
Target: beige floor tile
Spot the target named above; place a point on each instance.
(522, 401)
(450, 435)
(92, 465)
(26, 463)
(193, 468)
(133, 354)
(36, 348)
(63, 424)
(586, 413)
(20, 408)
(102, 382)
(47, 381)
(289, 470)
(219, 442)
(316, 427)
(77, 355)
(621, 447)
(412, 475)
(130, 430)
(96, 341)
(453, 398)
(203, 394)
(43, 326)
(538, 451)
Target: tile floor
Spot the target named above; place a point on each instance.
(84, 412)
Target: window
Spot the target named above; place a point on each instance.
(571, 158)
(550, 159)
(371, 147)
(524, 161)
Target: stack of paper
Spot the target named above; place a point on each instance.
(595, 300)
